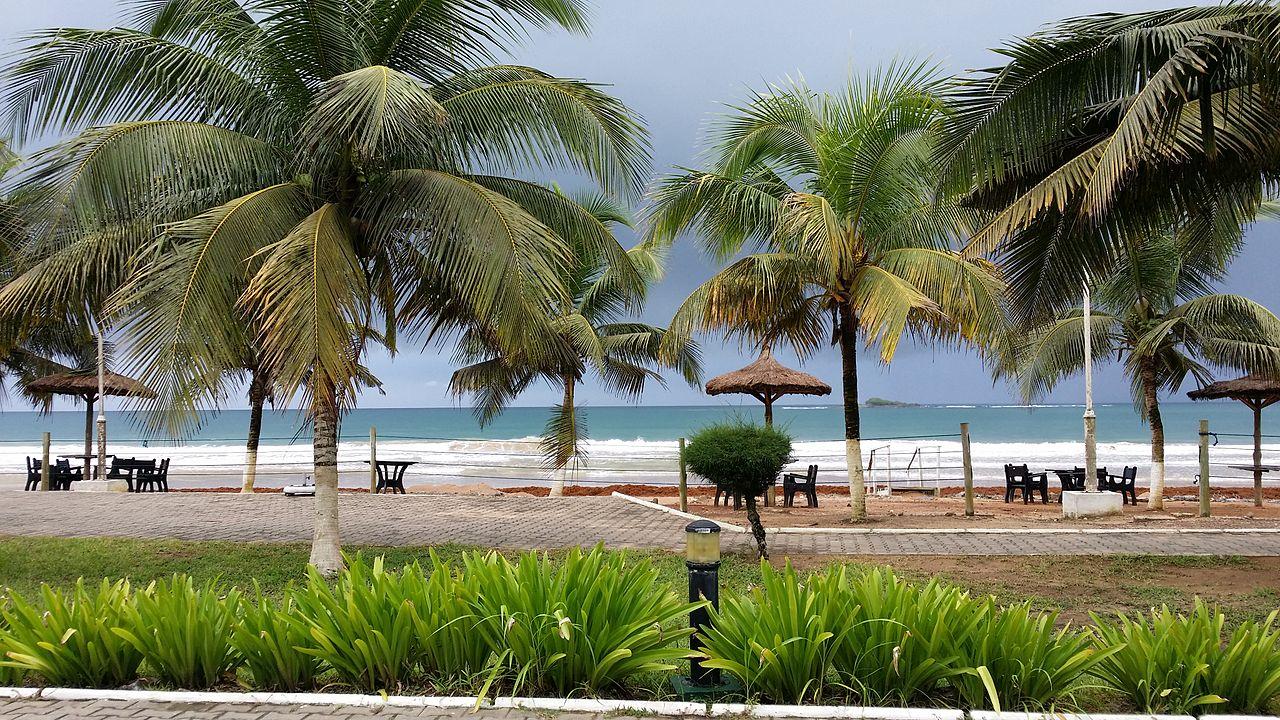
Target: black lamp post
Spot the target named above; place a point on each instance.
(702, 557)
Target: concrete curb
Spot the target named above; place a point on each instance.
(574, 705)
(957, 531)
(672, 511)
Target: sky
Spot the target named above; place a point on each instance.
(677, 63)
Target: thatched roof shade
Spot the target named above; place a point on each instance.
(80, 383)
(1249, 387)
(767, 377)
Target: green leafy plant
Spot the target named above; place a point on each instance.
(72, 641)
(273, 639)
(448, 646)
(743, 459)
(1172, 663)
(1016, 658)
(780, 639)
(362, 625)
(590, 622)
(184, 631)
(904, 642)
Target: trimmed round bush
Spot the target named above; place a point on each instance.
(742, 459)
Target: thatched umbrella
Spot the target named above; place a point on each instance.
(84, 385)
(767, 380)
(1256, 391)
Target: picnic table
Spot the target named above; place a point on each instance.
(90, 460)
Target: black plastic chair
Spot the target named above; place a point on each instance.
(1126, 483)
(122, 469)
(63, 475)
(1019, 477)
(1070, 480)
(33, 474)
(806, 484)
(148, 476)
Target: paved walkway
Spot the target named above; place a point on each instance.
(520, 523)
(124, 710)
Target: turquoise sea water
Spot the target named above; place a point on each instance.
(990, 424)
(637, 444)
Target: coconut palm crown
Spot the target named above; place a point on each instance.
(289, 175)
(598, 339)
(837, 192)
(1100, 127)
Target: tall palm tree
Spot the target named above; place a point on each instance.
(603, 288)
(838, 193)
(324, 167)
(1102, 126)
(1157, 314)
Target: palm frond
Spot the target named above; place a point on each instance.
(306, 298)
(512, 116)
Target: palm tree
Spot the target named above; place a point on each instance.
(324, 167)
(838, 192)
(604, 283)
(1102, 126)
(1156, 314)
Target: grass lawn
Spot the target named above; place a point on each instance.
(1243, 587)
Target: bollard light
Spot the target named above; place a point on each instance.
(702, 558)
(702, 543)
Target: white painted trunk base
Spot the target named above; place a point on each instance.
(1155, 495)
(857, 481)
(250, 471)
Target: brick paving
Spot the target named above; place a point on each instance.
(29, 709)
(514, 522)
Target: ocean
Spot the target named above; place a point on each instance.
(904, 446)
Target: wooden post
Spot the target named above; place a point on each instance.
(1204, 468)
(44, 462)
(373, 459)
(967, 460)
(684, 481)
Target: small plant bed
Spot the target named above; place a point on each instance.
(606, 624)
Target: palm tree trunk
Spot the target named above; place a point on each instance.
(257, 398)
(852, 419)
(326, 550)
(557, 485)
(1151, 403)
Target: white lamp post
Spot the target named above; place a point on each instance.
(1090, 419)
(102, 411)
(1090, 502)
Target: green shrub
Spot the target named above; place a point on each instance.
(448, 646)
(593, 621)
(780, 639)
(363, 625)
(184, 632)
(273, 640)
(1015, 659)
(904, 642)
(72, 641)
(743, 459)
(1171, 663)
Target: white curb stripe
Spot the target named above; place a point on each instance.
(687, 516)
(958, 531)
(575, 705)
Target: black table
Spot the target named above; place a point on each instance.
(391, 475)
